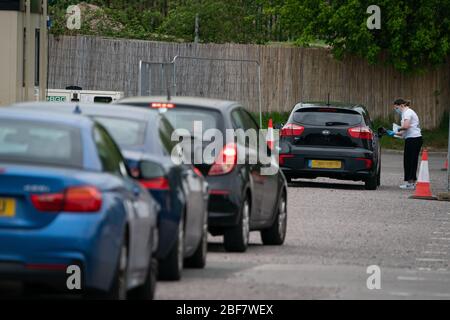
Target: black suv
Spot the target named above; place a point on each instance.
(333, 140)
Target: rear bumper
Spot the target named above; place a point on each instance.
(90, 241)
(354, 164)
(225, 198)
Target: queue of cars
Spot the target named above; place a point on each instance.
(97, 187)
(107, 189)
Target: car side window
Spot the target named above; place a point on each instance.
(109, 153)
(249, 122)
(237, 120)
(367, 119)
(165, 131)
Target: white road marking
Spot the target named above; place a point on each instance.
(431, 260)
(401, 294)
(403, 278)
(439, 253)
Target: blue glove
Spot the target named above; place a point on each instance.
(390, 133)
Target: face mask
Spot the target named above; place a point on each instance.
(398, 111)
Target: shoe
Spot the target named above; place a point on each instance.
(408, 186)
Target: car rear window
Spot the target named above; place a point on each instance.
(184, 117)
(327, 117)
(126, 132)
(33, 142)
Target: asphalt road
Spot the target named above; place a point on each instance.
(336, 230)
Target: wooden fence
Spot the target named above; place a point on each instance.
(288, 75)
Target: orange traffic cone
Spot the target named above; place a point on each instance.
(445, 168)
(423, 186)
(270, 137)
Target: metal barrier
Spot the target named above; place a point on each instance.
(152, 76)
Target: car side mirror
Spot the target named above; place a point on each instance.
(150, 170)
(381, 132)
(278, 126)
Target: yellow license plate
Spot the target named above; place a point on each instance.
(7, 208)
(325, 164)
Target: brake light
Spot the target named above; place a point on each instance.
(197, 171)
(291, 129)
(225, 161)
(282, 158)
(49, 202)
(361, 133)
(367, 162)
(73, 199)
(158, 105)
(159, 183)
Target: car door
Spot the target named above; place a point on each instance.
(136, 202)
(193, 187)
(254, 167)
(269, 181)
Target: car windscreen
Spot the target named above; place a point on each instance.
(40, 143)
(327, 117)
(184, 118)
(126, 132)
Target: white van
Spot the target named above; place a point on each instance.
(83, 96)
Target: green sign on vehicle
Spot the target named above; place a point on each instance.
(56, 98)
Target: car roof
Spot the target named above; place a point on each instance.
(129, 112)
(331, 104)
(74, 120)
(188, 101)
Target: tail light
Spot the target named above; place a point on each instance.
(363, 133)
(73, 199)
(225, 161)
(283, 157)
(158, 183)
(291, 129)
(197, 171)
(367, 162)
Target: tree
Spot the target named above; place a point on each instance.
(414, 35)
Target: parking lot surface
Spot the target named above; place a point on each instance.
(336, 230)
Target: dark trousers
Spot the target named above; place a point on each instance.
(411, 157)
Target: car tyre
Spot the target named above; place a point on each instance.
(118, 290)
(198, 259)
(276, 234)
(171, 267)
(147, 290)
(371, 183)
(236, 239)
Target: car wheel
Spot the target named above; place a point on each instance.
(276, 234)
(236, 239)
(147, 290)
(371, 183)
(379, 177)
(119, 287)
(171, 267)
(198, 259)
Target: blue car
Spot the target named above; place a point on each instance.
(67, 204)
(144, 136)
